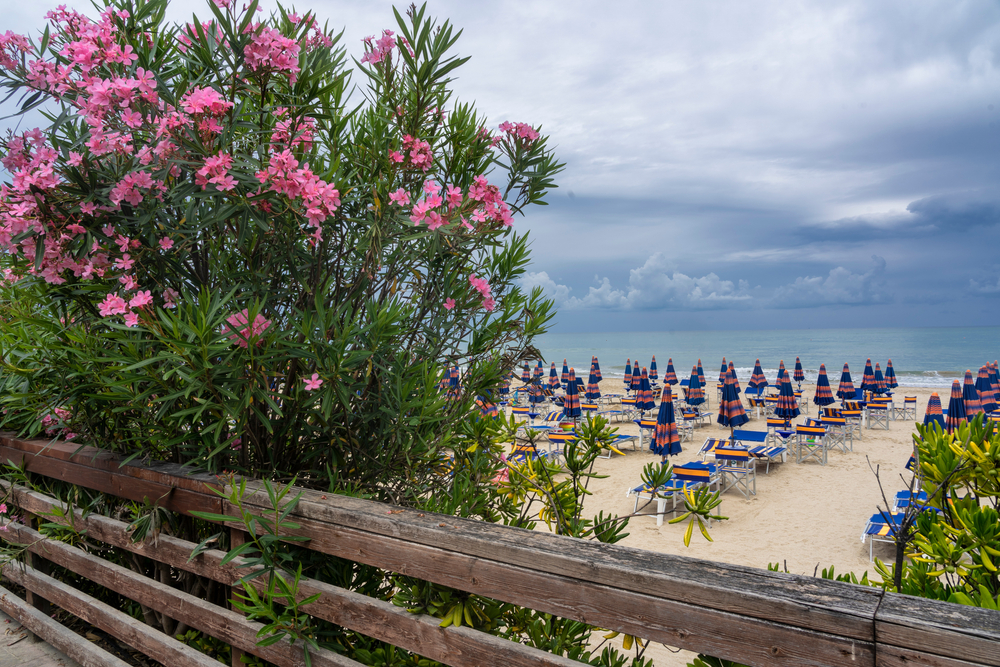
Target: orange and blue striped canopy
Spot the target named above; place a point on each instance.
(644, 399)
(757, 380)
(554, 378)
(695, 395)
(597, 369)
(787, 407)
(526, 375)
(987, 399)
(723, 371)
(846, 389)
(505, 384)
(933, 412)
(539, 370)
(995, 380)
(956, 408)
(628, 374)
(736, 380)
(800, 375)
(670, 376)
(890, 376)
(701, 374)
(823, 394)
(970, 396)
(666, 441)
(536, 395)
(652, 369)
(453, 381)
(731, 411)
(571, 403)
(868, 378)
(593, 386)
(564, 378)
(636, 377)
(486, 407)
(781, 373)
(879, 382)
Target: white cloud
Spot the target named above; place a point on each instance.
(552, 289)
(840, 286)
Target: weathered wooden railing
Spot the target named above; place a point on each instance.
(743, 614)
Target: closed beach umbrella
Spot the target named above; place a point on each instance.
(636, 377)
(453, 387)
(666, 442)
(564, 378)
(933, 412)
(846, 389)
(539, 370)
(879, 382)
(505, 385)
(788, 407)
(890, 376)
(597, 369)
(486, 407)
(868, 378)
(695, 396)
(670, 377)
(652, 370)
(554, 378)
(800, 375)
(628, 375)
(970, 396)
(731, 411)
(536, 395)
(526, 375)
(781, 373)
(956, 408)
(723, 371)
(824, 396)
(593, 387)
(644, 399)
(571, 404)
(736, 380)
(701, 374)
(757, 380)
(995, 380)
(987, 400)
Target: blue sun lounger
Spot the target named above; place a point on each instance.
(880, 531)
(756, 442)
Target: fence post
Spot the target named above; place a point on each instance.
(37, 562)
(236, 538)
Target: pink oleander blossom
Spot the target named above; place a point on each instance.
(313, 383)
(449, 304)
(141, 298)
(166, 243)
(270, 50)
(170, 297)
(112, 305)
(131, 319)
(400, 197)
(243, 331)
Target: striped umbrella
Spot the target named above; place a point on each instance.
(846, 389)
(636, 377)
(571, 403)
(539, 370)
(670, 377)
(505, 385)
(757, 380)
(736, 380)
(971, 397)
(879, 381)
(652, 370)
(453, 387)
(535, 394)
(987, 401)
(695, 396)
(644, 399)
(526, 375)
(723, 371)
(995, 380)
(731, 411)
(800, 375)
(956, 408)
(628, 375)
(788, 407)
(486, 407)
(564, 378)
(593, 386)
(823, 394)
(667, 441)
(781, 373)
(554, 378)
(597, 369)
(701, 374)
(868, 378)
(890, 376)
(933, 412)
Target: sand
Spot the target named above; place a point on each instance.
(804, 515)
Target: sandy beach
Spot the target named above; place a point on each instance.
(803, 515)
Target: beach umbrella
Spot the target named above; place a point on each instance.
(781, 373)
(505, 385)
(971, 397)
(890, 376)
(995, 380)
(695, 396)
(526, 375)
(564, 378)
(788, 407)
(636, 377)
(824, 396)
(670, 376)
(956, 408)
(868, 378)
(535, 394)
(628, 375)
(701, 374)
(799, 376)
(846, 389)
(666, 441)
(933, 412)
(597, 369)
(644, 398)
(731, 411)
(554, 378)
(539, 370)
(593, 386)
(879, 382)
(757, 380)
(486, 407)
(571, 403)
(736, 380)
(652, 370)
(453, 387)
(987, 400)
(723, 371)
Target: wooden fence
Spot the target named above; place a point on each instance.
(744, 614)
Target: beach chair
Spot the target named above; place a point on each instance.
(694, 417)
(811, 443)
(878, 415)
(710, 445)
(757, 404)
(908, 409)
(905, 498)
(777, 424)
(661, 495)
(853, 412)
(695, 475)
(839, 432)
(588, 408)
(881, 528)
(803, 405)
(549, 422)
(738, 469)
(756, 443)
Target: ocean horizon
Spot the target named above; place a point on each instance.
(921, 357)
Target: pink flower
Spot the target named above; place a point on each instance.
(248, 331)
(112, 305)
(3, 508)
(166, 243)
(141, 299)
(396, 156)
(449, 304)
(236, 444)
(434, 220)
(313, 383)
(400, 197)
(170, 297)
(131, 319)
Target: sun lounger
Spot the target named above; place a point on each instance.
(738, 469)
(710, 445)
(811, 443)
(756, 443)
(878, 530)
(662, 495)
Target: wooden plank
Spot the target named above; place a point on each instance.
(56, 634)
(220, 623)
(894, 656)
(155, 644)
(950, 631)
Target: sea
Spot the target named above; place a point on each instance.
(926, 357)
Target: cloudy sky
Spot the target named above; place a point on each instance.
(741, 165)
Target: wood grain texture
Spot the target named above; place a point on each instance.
(56, 634)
